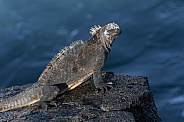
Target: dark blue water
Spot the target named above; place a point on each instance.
(152, 43)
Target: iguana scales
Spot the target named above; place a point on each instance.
(69, 68)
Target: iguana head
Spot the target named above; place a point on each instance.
(106, 34)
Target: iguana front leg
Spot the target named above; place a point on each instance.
(98, 80)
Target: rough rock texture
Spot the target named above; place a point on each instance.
(129, 100)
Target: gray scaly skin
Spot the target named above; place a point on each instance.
(69, 68)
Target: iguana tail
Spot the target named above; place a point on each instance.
(29, 96)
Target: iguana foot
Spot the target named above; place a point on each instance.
(102, 87)
(45, 105)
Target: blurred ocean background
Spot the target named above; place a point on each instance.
(152, 43)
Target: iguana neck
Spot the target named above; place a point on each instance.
(101, 40)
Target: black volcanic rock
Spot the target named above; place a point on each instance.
(129, 100)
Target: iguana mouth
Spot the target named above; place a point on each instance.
(120, 32)
(116, 34)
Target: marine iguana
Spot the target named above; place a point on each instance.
(69, 68)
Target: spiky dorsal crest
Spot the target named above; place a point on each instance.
(94, 29)
(63, 51)
(71, 46)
